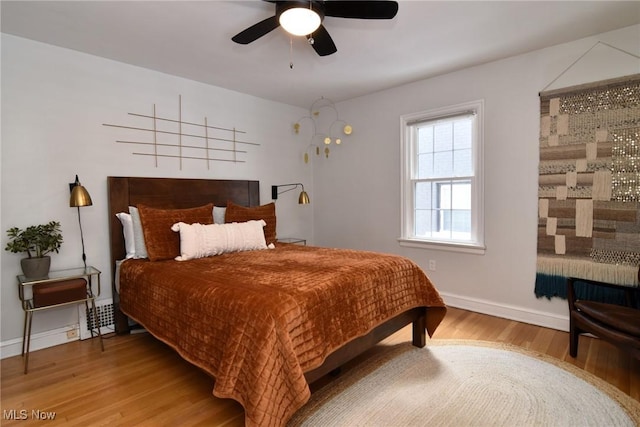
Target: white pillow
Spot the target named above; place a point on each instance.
(218, 214)
(138, 235)
(203, 240)
(127, 231)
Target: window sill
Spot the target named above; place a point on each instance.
(443, 246)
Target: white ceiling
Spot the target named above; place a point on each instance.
(192, 39)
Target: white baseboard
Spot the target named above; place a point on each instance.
(59, 336)
(39, 341)
(538, 318)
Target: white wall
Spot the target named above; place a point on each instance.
(357, 191)
(54, 102)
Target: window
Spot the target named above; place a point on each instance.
(442, 178)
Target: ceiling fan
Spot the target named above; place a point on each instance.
(304, 18)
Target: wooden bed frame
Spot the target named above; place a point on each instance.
(179, 193)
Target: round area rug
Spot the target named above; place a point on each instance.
(467, 383)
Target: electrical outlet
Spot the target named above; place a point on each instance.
(72, 333)
(432, 264)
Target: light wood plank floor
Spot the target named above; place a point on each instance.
(140, 381)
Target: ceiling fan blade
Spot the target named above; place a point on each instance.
(322, 42)
(363, 9)
(256, 31)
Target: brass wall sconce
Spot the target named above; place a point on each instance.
(303, 198)
(332, 134)
(79, 198)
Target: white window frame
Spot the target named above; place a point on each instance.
(408, 161)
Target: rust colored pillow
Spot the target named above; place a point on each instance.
(237, 213)
(161, 242)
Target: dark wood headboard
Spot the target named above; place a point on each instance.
(176, 193)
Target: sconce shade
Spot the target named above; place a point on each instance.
(79, 196)
(303, 199)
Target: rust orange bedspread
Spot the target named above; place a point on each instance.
(257, 320)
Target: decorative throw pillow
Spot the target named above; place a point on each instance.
(138, 235)
(200, 240)
(237, 213)
(161, 242)
(127, 232)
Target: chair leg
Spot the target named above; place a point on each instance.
(574, 335)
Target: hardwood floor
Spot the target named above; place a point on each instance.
(140, 381)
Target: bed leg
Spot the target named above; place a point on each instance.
(419, 331)
(120, 319)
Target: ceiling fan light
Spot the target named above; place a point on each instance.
(300, 21)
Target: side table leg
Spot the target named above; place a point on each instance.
(26, 340)
(86, 306)
(96, 318)
(24, 332)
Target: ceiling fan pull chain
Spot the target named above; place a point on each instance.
(291, 52)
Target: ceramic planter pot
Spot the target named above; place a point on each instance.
(35, 268)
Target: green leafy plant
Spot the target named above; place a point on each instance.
(35, 240)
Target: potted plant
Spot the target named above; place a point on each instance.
(37, 241)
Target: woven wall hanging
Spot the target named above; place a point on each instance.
(589, 185)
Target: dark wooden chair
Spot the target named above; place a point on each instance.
(616, 324)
